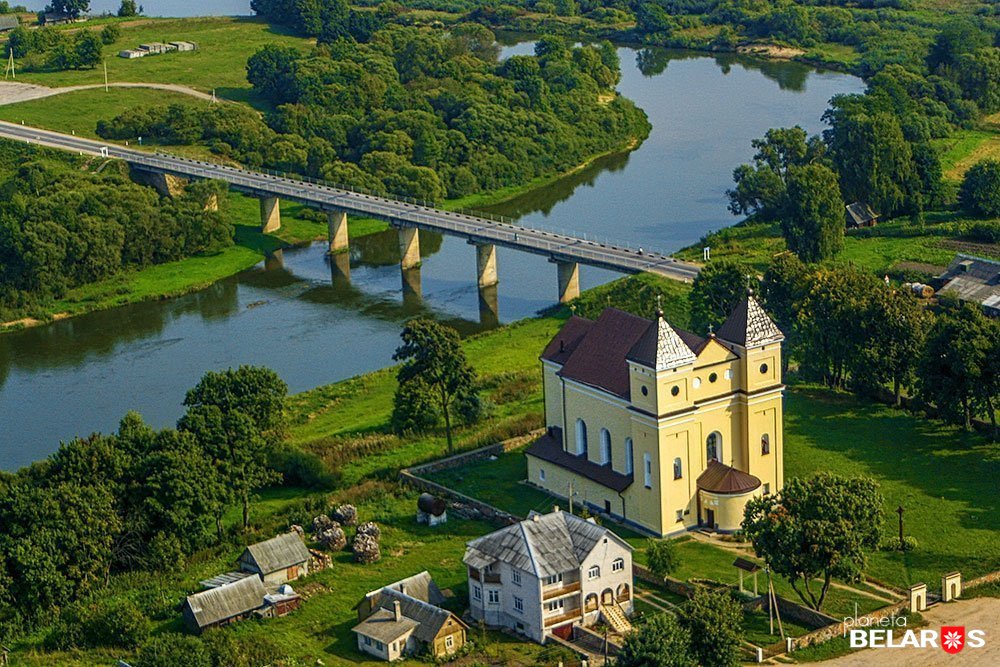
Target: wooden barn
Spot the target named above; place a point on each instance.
(223, 605)
(277, 560)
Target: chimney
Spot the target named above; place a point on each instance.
(397, 611)
(555, 508)
(536, 517)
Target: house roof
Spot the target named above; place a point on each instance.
(383, 626)
(420, 586)
(549, 449)
(720, 478)
(545, 544)
(278, 553)
(9, 22)
(746, 565)
(749, 326)
(224, 602)
(565, 342)
(974, 279)
(225, 578)
(861, 213)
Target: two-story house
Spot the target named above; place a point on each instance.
(659, 427)
(548, 573)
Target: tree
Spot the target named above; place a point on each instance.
(761, 186)
(237, 416)
(714, 620)
(662, 557)
(110, 33)
(717, 290)
(72, 7)
(954, 370)
(959, 36)
(432, 354)
(659, 642)
(823, 527)
(895, 328)
(813, 218)
(87, 48)
(980, 190)
(783, 289)
(127, 9)
(169, 649)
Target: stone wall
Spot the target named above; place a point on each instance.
(979, 581)
(673, 585)
(838, 629)
(458, 460)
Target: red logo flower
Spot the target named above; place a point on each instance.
(952, 638)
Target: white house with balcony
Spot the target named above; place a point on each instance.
(542, 576)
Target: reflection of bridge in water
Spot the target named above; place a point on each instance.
(408, 218)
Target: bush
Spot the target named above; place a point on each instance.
(106, 623)
(984, 232)
(980, 191)
(301, 469)
(110, 33)
(171, 649)
(662, 557)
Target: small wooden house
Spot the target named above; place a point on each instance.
(277, 560)
(401, 625)
(223, 605)
(420, 586)
(860, 214)
(7, 23)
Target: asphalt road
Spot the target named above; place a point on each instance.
(499, 231)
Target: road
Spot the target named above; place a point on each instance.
(475, 228)
(12, 92)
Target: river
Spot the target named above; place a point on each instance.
(299, 315)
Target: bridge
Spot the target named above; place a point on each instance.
(486, 233)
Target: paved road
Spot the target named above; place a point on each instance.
(557, 247)
(975, 613)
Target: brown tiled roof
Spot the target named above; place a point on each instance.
(748, 325)
(561, 347)
(599, 357)
(550, 450)
(720, 478)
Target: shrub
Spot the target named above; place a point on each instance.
(662, 557)
(984, 232)
(171, 649)
(301, 469)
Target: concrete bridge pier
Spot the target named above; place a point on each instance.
(569, 280)
(275, 261)
(270, 214)
(336, 222)
(340, 268)
(486, 264)
(409, 247)
(489, 307)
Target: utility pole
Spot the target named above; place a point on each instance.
(571, 496)
(106, 89)
(899, 511)
(10, 66)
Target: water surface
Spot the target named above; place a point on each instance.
(313, 325)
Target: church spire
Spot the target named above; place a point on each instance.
(749, 325)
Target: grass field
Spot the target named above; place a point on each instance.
(219, 63)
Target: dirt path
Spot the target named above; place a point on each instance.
(12, 93)
(977, 613)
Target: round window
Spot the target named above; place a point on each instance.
(696, 383)
(645, 390)
(675, 390)
(713, 377)
(763, 368)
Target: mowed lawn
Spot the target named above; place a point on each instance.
(945, 480)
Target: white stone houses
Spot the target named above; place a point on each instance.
(548, 573)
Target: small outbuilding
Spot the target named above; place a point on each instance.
(420, 586)
(154, 47)
(973, 279)
(750, 567)
(131, 54)
(860, 214)
(431, 510)
(277, 560)
(183, 46)
(7, 23)
(223, 605)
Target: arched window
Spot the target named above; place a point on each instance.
(618, 564)
(765, 444)
(629, 463)
(678, 469)
(647, 470)
(713, 447)
(605, 447)
(581, 437)
(594, 572)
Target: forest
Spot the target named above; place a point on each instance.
(62, 225)
(428, 114)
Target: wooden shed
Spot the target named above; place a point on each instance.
(277, 560)
(223, 605)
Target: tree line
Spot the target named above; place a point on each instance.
(414, 112)
(850, 330)
(62, 226)
(137, 500)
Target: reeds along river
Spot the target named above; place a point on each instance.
(301, 316)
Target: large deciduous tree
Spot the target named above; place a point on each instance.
(714, 620)
(662, 557)
(812, 221)
(434, 362)
(237, 415)
(894, 328)
(817, 528)
(717, 290)
(980, 191)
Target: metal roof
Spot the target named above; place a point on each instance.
(974, 279)
(662, 347)
(545, 544)
(549, 449)
(223, 579)
(224, 602)
(383, 626)
(420, 586)
(278, 553)
(720, 478)
(749, 326)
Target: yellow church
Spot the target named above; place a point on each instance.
(659, 427)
